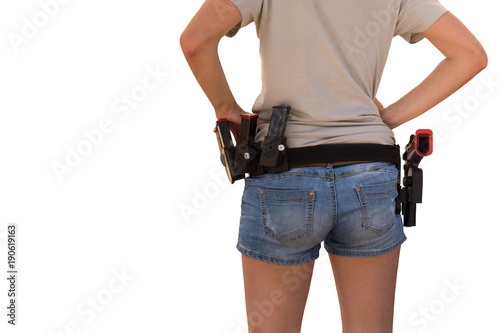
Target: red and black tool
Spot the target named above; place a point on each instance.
(420, 145)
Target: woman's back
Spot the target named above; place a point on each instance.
(325, 59)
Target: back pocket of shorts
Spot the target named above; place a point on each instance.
(287, 214)
(379, 206)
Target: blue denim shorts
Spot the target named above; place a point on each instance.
(351, 208)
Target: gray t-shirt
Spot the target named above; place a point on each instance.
(325, 59)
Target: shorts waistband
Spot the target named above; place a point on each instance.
(327, 163)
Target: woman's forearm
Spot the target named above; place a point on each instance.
(206, 67)
(464, 59)
(199, 43)
(447, 78)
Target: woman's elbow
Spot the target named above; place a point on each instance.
(193, 44)
(481, 58)
(473, 59)
(188, 45)
(476, 56)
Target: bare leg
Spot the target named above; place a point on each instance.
(366, 289)
(275, 295)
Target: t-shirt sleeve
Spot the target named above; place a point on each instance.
(416, 16)
(250, 12)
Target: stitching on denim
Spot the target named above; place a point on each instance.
(291, 200)
(312, 195)
(365, 171)
(378, 193)
(352, 253)
(293, 173)
(370, 169)
(252, 181)
(309, 228)
(334, 199)
(366, 225)
(265, 258)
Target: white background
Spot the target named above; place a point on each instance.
(149, 200)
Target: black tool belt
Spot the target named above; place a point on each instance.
(252, 159)
(329, 153)
(355, 152)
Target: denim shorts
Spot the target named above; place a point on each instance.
(351, 208)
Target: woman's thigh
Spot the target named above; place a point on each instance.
(275, 295)
(366, 291)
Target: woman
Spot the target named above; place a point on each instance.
(325, 59)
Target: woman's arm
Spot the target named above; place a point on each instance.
(465, 58)
(199, 42)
